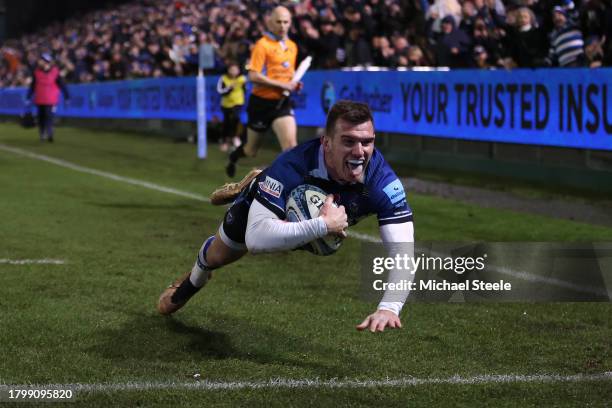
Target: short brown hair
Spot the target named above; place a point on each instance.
(352, 112)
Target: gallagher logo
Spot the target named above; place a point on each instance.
(328, 96)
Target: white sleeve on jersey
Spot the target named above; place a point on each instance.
(403, 232)
(265, 232)
(391, 233)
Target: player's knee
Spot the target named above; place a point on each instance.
(220, 254)
(214, 259)
(217, 259)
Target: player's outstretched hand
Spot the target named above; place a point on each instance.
(379, 320)
(335, 217)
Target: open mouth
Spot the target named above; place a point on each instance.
(356, 166)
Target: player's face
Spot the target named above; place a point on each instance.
(280, 22)
(349, 150)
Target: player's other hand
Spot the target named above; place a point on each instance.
(335, 217)
(379, 320)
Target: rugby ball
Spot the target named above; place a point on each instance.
(304, 203)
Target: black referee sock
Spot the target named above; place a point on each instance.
(237, 154)
(184, 292)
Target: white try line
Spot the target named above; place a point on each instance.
(590, 290)
(357, 235)
(318, 383)
(136, 182)
(105, 174)
(32, 261)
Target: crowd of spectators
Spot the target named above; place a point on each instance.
(154, 38)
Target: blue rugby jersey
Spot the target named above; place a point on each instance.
(381, 193)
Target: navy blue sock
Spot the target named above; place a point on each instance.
(184, 292)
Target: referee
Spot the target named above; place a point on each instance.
(271, 71)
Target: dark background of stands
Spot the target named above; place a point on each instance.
(18, 17)
(117, 39)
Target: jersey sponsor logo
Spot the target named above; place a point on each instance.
(395, 191)
(271, 186)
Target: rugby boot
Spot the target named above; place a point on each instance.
(177, 294)
(229, 191)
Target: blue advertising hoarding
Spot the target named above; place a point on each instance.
(554, 107)
(163, 98)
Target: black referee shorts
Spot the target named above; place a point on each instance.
(262, 112)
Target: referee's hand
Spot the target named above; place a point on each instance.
(294, 86)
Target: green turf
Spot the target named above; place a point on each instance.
(288, 316)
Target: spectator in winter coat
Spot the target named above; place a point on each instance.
(441, 9)
(453, 46)
(46, 86)
(566, 41)
(526, 42)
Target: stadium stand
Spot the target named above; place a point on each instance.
(155, 38)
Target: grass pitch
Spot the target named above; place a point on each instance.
(288, 316)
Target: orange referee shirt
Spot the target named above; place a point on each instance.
(274, 59)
